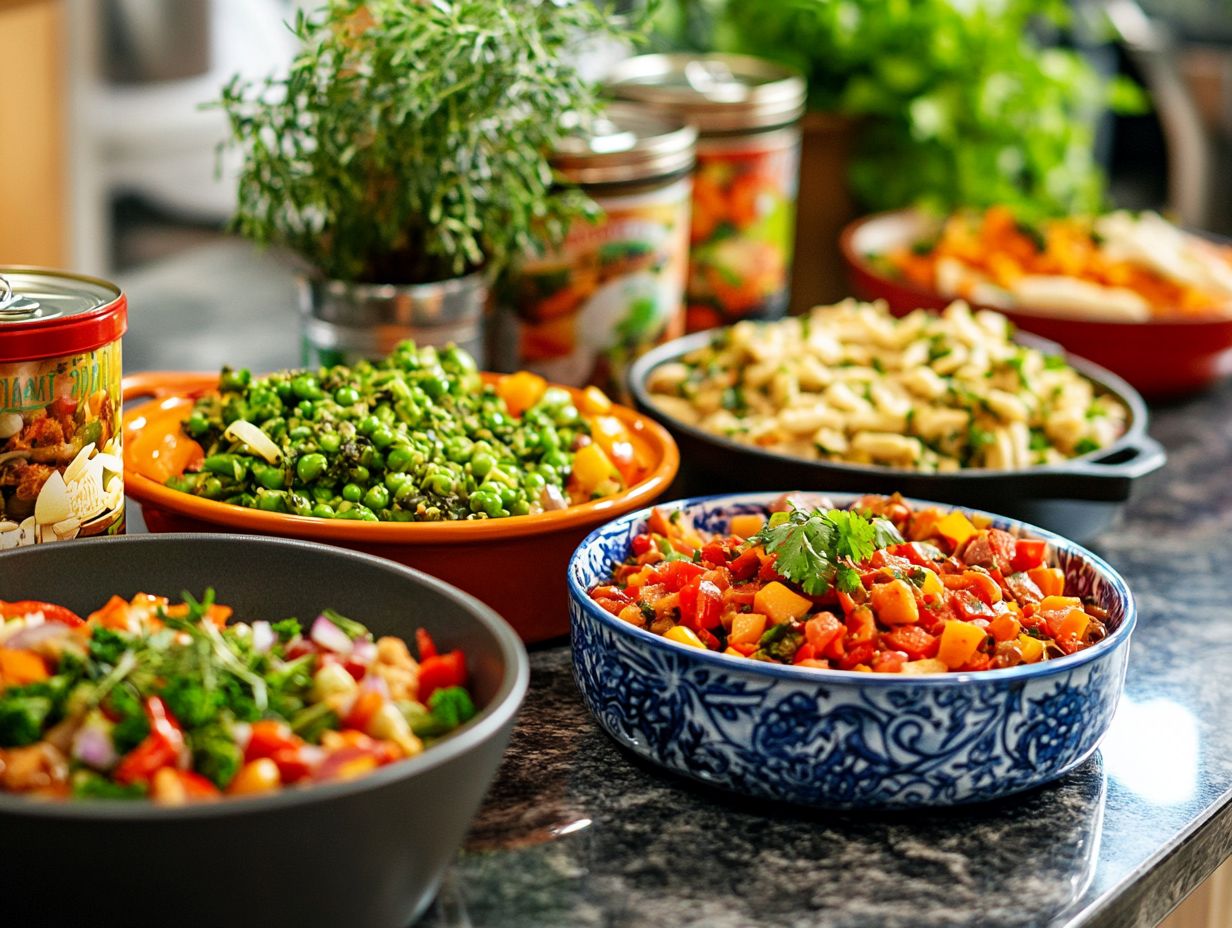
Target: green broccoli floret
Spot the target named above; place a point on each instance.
(216, 756)
(22, 716)
(451, 706)
(132, 727)
(108, 646)
(287, 629)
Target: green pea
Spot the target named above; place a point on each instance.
(440, 484)
(310, 466)
(435, 384)
(377, 497)
(368, 424)
(361, 474)
(183, 483)
(227, 465)
(399, 458)
(233, 381)
(352, 493)
(346, 396)
(520, 508)
(269, 476)
(272, 500)
(382, 437)
(305, 409)
(196, 424)
(211, 488)
(534, 483)
(394, 481)
(323, 511)
(305, 387)
(300, 433)
(481, 464)
(329, 442)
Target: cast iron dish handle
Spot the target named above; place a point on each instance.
(161, 385)
(1110, 479)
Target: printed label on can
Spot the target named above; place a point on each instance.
(612, 291)
(743, 225)
(61, 462)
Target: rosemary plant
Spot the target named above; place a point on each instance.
(407, 143)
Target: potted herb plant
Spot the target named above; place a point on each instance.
(403, 157)
(930, 103)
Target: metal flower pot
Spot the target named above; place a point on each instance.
(345, 322)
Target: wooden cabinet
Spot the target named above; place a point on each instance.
(34, 110)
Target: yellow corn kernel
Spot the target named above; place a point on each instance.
(682, 635)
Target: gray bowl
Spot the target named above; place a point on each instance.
(368, 853)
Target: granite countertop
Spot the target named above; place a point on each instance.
(577, 832)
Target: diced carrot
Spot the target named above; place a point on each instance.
(113, 615)
(1004, 628)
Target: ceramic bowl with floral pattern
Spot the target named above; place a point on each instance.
(844, 739)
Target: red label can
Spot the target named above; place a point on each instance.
(61, 461)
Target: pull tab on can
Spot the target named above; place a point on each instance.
(13, 306)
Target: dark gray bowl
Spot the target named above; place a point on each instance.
(368, 853)
(1078, 498)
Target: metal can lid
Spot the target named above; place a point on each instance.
(44, 313)
(717, 93)
(627, 142)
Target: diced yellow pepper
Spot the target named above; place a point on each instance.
(595, 402)
(894, 603)
(932, 583)
(956, 527)
(1032, 648)
(591, 467)
(959, 641)
(1073, 625)
(779, 604)
(1053, 603)
(682, 635)
(747, 628)
(521, 391)
(746, 525)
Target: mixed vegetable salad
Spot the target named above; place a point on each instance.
(879, 587)
(417, 436)
(145, 698)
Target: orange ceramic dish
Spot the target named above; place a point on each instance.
(515, 564)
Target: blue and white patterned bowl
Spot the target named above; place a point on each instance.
(835, 738)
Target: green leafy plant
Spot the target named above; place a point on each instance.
(408, 140)
(958, 103)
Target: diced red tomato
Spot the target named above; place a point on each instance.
(441, 671)
(640, 544)
(160, 748)
(969, 606)
(715, 553)
(912, 640)
(267, 737)
(860, 653)
(919, 553)
(1028, 553)
(292, 765)
(677, 573)
(861, 625)
(822, 629)
(768, 571)
(888, 661)
(424, 644)
(745, 565)
(806, 652)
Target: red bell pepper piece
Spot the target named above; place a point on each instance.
(822, 629)
(709, 604)
(860, 653)
(160, 748)
(745, 565)
(768, 571)
(267, 737)
(195, 786)
(51, 612)
(424, 644)
(441, 671)
(715, 553)
(640, 544)
(806, 652)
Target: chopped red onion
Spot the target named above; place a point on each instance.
(263, 636)
(329, 636)
(92, 745)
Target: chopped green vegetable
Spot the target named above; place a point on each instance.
(817, 549)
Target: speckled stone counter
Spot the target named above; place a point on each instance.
(576, 832)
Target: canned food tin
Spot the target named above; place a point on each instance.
(747, 114)
(615, 286)
(61, 474)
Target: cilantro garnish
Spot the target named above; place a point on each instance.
(820, 549)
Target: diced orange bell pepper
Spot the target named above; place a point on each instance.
(959, 640)
(19, 667)
(521, 391)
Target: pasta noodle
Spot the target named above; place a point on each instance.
(928, 392)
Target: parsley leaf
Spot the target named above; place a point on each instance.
(820, 549)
